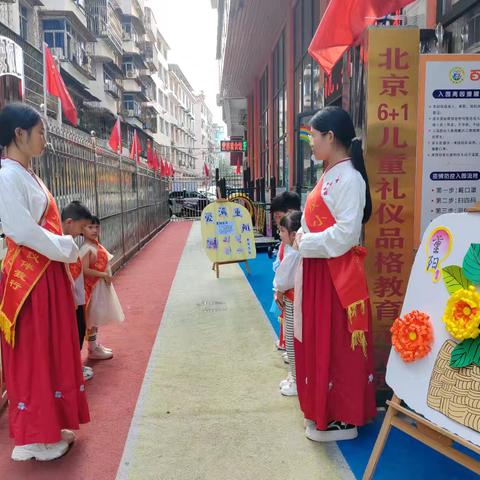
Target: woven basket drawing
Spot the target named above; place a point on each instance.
(455, 392)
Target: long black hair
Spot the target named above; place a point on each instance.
(338, 121)
(13, 116)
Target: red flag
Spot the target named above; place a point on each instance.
(239, 167)
(162, 167)
(342, 26)
(115, 140)
(56, 87)
(205, 168)
(150, 161)
(156, 163)
(136, 148)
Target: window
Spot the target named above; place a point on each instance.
(61, 36)
(308, 90)
(24, 22)
(264, 124)
(279, 113)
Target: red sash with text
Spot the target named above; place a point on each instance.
(100, 264)
(347, 271)
(23, 268)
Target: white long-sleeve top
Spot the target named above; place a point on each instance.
(343, 191)
(22, 204)
(285, 275)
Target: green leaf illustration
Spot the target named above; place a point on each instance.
(454, 278)
(466, 353)
(471, 263)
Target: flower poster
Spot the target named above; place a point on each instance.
(434, 363)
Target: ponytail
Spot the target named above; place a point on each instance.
(338, 121)
(356, 154)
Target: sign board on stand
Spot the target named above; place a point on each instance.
(449, 148)
(430, 368)
(227, 234)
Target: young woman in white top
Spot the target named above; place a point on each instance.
(333, 346)
(39, 338)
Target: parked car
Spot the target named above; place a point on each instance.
(188, 204)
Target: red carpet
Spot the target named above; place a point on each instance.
(143, 287)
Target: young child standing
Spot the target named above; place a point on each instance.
(75, 217)
(284, 284)
(281, 205)
(102, 303)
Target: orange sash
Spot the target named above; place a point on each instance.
(75, 268)
(347, 272)
(24, 267)
(101, 265)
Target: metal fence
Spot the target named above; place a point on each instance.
(130, 200)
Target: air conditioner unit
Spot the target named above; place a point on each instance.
(132, 73)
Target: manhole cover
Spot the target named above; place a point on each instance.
(211, 306)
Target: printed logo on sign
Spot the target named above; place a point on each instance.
(457, 75)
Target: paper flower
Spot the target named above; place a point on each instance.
(462, 314)
(412, 336)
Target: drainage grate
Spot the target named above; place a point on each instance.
(212, 306)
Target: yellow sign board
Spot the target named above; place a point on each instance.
(227, 233)
(392, 92)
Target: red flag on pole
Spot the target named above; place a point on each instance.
(115, 140)
(150, 160)
(56, 87)
(238, 171)
(162, 167)
(206, 170)
(136, 148)
(343, 24)
(156, 163)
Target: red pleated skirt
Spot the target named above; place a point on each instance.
(334, 382)
(43, 373)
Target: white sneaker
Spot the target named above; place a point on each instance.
(286, 381)
(285, 358)
(87, 373)
(335, 432)
(289, 390)
(43, 452)
(100, 353)
(68, 436)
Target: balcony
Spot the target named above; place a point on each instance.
(112, 87)
(150, 25)
(103, 20)
(78, 58)
(134, 112)
(150, 56)
(134, 9)
(131, 45)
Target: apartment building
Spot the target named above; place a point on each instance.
(182, 100)
(204, 136)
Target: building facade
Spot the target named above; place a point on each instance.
(182, 100)
(270, 86)
(114, 62)
(205, 144)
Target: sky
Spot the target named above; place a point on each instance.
(190, 29)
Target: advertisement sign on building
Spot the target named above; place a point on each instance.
(449, 149)
(392, 87)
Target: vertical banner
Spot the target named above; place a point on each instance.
(448, 140)
(392, 88)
